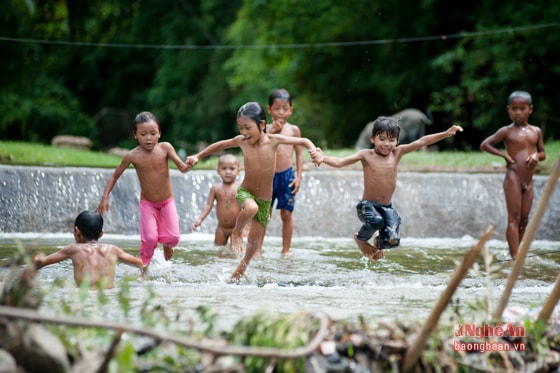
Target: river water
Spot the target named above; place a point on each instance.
(323, 276)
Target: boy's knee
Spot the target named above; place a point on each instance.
(251, 207)
(285, 215)
(149, 241)
(171, 241)
(375, 222)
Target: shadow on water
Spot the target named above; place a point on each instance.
(322, 276)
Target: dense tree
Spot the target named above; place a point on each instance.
(86, 67)
(34, 102)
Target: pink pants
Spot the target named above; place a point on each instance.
(159, 222)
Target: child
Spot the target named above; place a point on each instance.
(524, 149)
(159, 221)
(255, 192)
(285, 185)
(380, 165)
(227, 207)
(91, 260)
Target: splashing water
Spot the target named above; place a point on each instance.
(325, 275)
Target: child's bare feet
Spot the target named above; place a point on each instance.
(239, 271)
(367, 249)
(237, 242)
(379, 253)
(168, 252)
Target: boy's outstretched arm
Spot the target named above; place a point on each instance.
(335, 161)
(126, 258)
(213, 148)
(428, 140)
(40, 260)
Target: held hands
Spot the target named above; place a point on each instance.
(184, 167)
(37, 260)
(317, 156)
(191, 161)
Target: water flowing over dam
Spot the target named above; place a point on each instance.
(44, 199)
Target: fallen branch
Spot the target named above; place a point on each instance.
(30, 315)
(551, 302)
(416, 348)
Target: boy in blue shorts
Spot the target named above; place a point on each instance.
(285, 184)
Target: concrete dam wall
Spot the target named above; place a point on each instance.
(43, 199)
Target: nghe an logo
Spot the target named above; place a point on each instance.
(488, 330)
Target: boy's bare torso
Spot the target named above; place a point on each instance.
(380, 175)
(227, 207)
(152, 169)
(260, 162)
(521, 142)
(284, 153)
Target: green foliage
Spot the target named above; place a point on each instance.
(265, 329)
(20, 153)
(536, 336)
(86, 68)
(483, 70)
(23, 153)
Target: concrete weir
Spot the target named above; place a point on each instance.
(44, 199)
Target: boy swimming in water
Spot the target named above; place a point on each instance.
(91, 260)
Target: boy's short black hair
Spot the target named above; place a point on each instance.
(279, 94)
(521, 94)
(386, 124)
(144, 117)
(90, 223)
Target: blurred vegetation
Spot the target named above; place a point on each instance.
(86, 68)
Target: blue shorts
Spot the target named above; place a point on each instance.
(282, 191)
(382, 218)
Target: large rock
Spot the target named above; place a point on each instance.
(34, 348)
(69, 141)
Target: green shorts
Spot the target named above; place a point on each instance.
(263, 214)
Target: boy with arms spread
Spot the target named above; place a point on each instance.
(254, 194)
(285, 185)
(380, 166)
(91, 260)
(159, 221)
(524, 150)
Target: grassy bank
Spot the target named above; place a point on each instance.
(21, 153)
